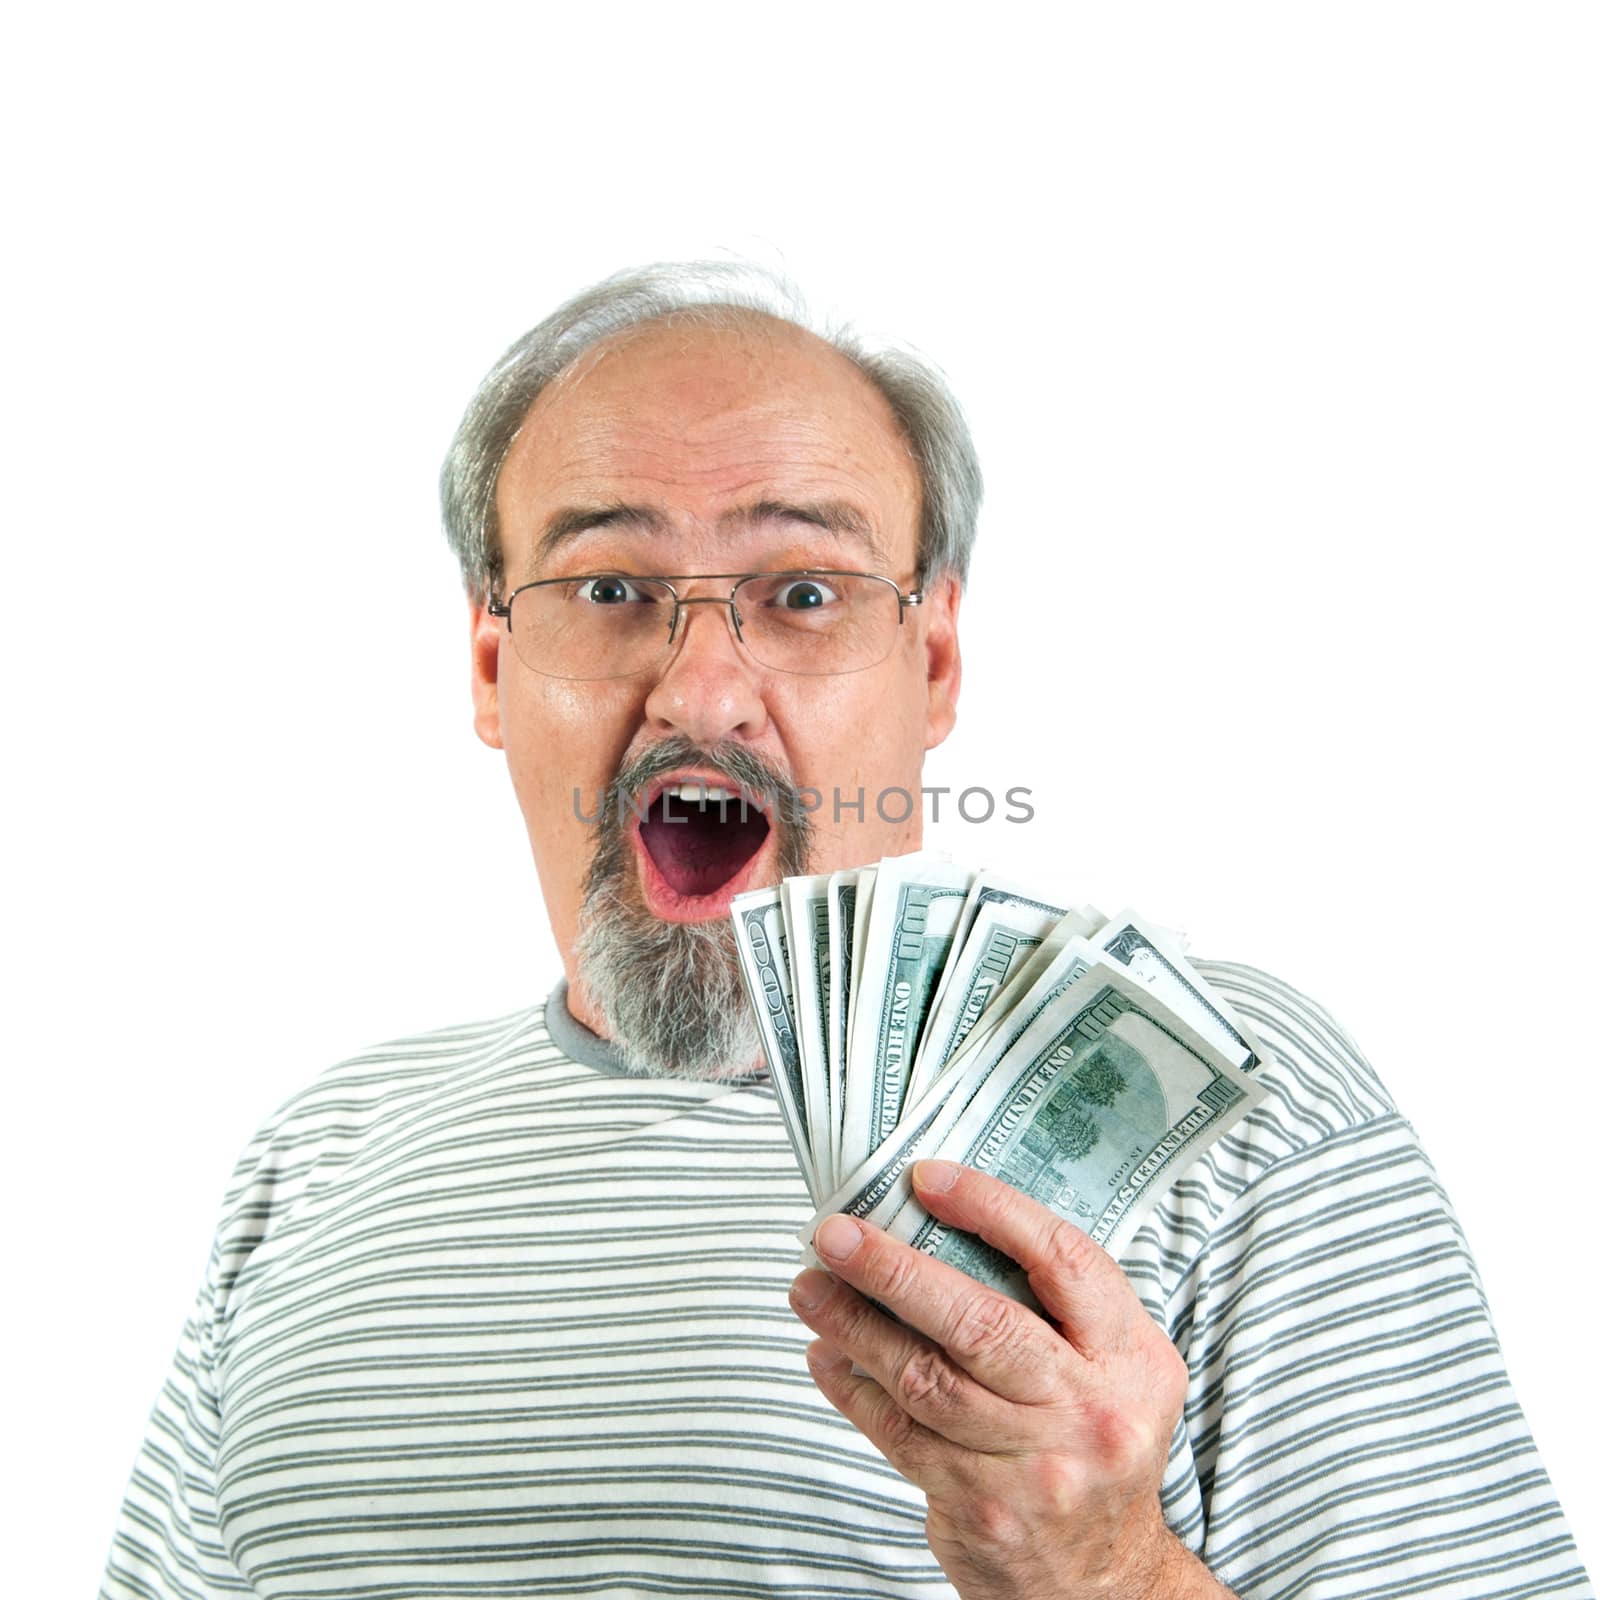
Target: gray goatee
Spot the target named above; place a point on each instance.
(670, 994)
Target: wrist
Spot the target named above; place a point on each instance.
(1179, 1574)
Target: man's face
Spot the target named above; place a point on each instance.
(713, 432)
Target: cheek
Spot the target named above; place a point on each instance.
(865, 726)
(898, 705)
(562, 736)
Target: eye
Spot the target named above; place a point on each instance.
(804, 594)
(610, 589)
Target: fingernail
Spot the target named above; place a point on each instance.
(837, 1238)
(810, 1289)
(935, 1177)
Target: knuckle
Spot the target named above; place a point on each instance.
(986, 1325)
(899, 1432)
(997, 1203)
(928, 1382)
(1070, 1254)
(895, 1274)
(1059, 1484)
(996, 1523)
(852, 1317)
(1122, 1441)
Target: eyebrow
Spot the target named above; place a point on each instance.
(832, 516)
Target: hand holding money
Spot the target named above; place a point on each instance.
(1039, 1440)
(987, 1092)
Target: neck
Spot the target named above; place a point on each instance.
(582, 1008)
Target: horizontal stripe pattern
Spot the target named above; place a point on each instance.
(485, 1320)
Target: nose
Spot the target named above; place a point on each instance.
(708, 688)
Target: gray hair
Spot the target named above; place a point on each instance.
(703, 293)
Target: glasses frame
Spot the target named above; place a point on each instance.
(913, 597)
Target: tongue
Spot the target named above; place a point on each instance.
(698, 851)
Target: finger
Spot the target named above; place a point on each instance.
(911, 1449)
(997, 1340)
(914, 1372)
(1075, 1280)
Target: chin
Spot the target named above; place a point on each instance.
(669, 994)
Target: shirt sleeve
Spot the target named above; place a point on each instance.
(168, 1544)
(1353, 1427)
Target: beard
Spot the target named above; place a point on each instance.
(671, 994)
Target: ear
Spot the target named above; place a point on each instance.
(944, 658)
(486, 637)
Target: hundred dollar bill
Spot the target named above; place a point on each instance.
(985, 885)
(916, 904)
(1151, 956)
(764, 961)
(805, 905)
(1120, 941)
(1045, 964)
(866, 884)
(988, 888)
(1001, 926)
(841, 926)
(860, 915)
(1094, 1111)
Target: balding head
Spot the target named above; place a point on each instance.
(671, 299)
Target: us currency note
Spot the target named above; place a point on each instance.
(1045, 962)
(1121, 941)
(987, 888)
(1094, 1110)
(759, 935)
(860, 915)
(1151, 956)
(984, 885)
(805, 904)
(1001, 925)
(841, 926)
(916, 904)
(849, 905)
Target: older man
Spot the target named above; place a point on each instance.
(507, 1309)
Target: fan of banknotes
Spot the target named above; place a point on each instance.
(919, 1007)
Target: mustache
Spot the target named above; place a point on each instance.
(779, 794)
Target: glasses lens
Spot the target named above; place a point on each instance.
(818, 623)
(591, 627)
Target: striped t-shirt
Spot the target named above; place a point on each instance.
(487, 1317)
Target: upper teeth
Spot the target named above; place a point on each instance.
(694, 789)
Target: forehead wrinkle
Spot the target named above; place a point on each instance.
(672, 410)
(782, 436)
(635, 447)
(801, 518)
(754, 505)
(768, 476)
(802, 515)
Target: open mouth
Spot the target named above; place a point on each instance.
(701, 836)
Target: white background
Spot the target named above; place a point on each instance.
(1277, 329)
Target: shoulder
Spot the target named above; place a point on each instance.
(1326, 1111)
(1318, 1081)
(1326, 1137)
(1343, 1360)
(397, 1073)
(351, 1105)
